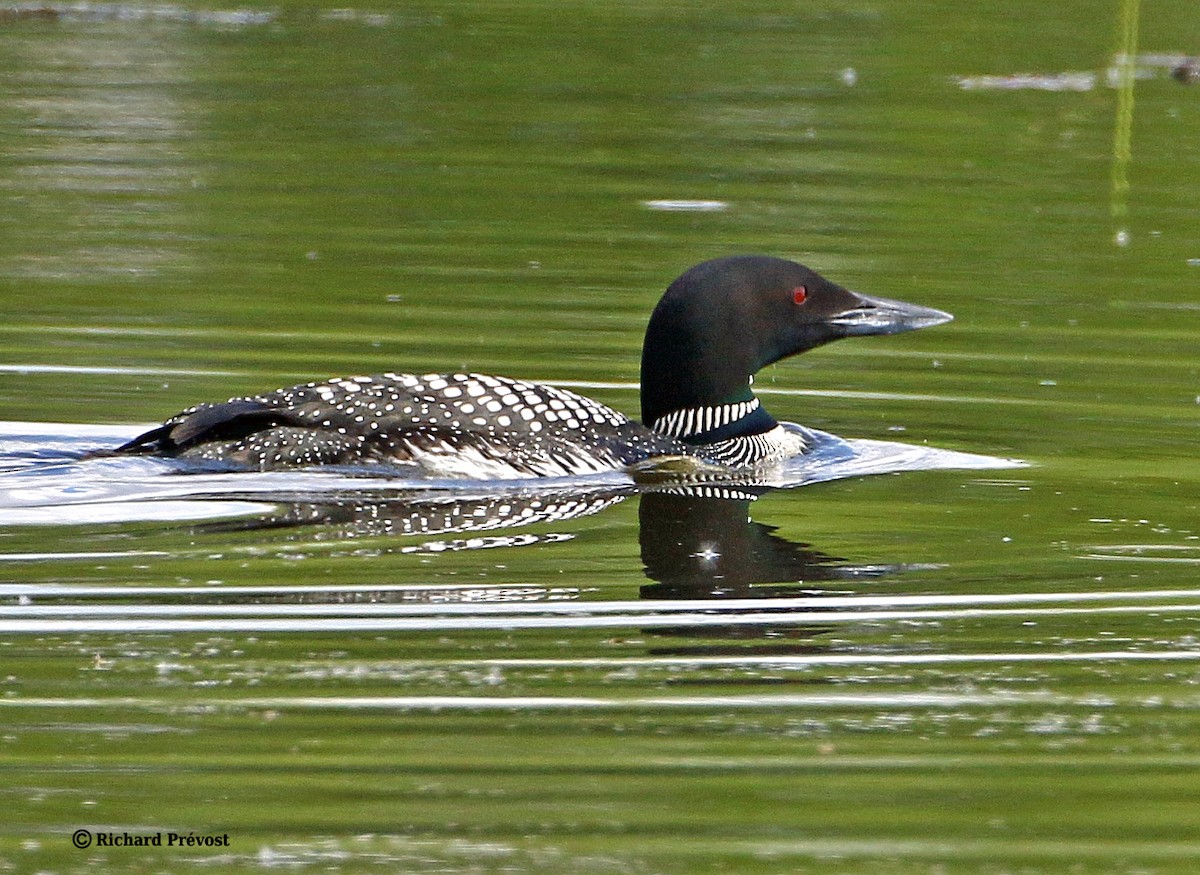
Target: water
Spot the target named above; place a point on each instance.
(947, 668)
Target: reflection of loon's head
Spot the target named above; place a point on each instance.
(699, 542)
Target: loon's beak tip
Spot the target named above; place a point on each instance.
(888, 316)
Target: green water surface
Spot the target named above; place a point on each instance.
(205, 201)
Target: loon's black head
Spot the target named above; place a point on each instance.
(722, 321)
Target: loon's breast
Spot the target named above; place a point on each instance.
(453, 425)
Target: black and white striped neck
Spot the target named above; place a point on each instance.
(715, 422)
(738, 434)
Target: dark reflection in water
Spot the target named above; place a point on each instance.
(702, 543)
(697, 542)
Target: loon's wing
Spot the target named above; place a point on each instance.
(207, 423)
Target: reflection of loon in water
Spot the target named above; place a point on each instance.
(430, 513)
(701, 543)
(697, 542)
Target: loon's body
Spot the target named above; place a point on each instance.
(714, 328)
(464, 425)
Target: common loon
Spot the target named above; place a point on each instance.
(716, 326)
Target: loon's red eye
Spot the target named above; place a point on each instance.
(799, 294)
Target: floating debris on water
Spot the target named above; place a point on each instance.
(136, 13)
(1152, 65)
(686, 206)
(128, 12)
(374, 19)
(1029, 82)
